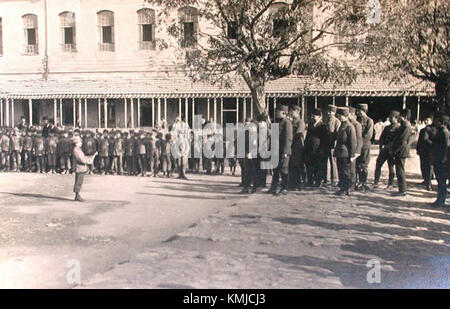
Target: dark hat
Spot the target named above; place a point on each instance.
(105, 131)
(283, 108)
(351, 110)
(317, 112)
(332, 108)
(342, 111)
(364, 107)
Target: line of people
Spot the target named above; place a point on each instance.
(340, 147)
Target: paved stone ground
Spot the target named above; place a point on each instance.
(159, 233)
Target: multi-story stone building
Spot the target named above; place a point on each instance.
(94, 63)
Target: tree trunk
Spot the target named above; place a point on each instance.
(259, 101)
(442, 87)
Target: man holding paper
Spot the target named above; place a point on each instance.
(81, 162)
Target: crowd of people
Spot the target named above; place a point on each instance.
(332, 149)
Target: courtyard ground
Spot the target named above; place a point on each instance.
(135, 232)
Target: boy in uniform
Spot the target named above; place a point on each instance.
(39, 152)
(27, 147)
(141, 153)
(51, 145)
(5, 143)
(117, 154)
(104, 153)
(64, 148)
(16, 148)
(166, 161)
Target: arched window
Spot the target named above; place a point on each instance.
(146, 29)
(189, 26)
(67, 31)
(1, 37)
(30, 31)
(105, 21)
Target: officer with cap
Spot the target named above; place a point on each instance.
(297, 171)
(386, 140)
(81, 166)
(362, 162)
(440, 157)
(358, 128)
(333, 125)
(316, 149)
(345, 150)
(285, 151)
(400, 151)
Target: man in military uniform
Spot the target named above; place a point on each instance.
(362, 162)
(440, 157)
(400, 151)
(345, 150)
(333, 125)
(80, 161)
(359, 142)
(316, 149)
(297, 171)
(424, 151)
(285, 151)
(386, 140)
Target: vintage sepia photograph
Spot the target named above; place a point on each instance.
(205, 145)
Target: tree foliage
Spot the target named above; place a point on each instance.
(411, 40)
(257, 41)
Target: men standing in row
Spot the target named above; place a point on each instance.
(316, 149)
(345, 150)
(285, 144)
(333, 125)
(362, 162)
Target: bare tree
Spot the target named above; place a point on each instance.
(255, 41)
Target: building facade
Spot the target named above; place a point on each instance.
(95, 64)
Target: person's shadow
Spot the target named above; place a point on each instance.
(40, 196)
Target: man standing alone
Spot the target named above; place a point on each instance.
(81, 166)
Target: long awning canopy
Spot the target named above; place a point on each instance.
(184, 87)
